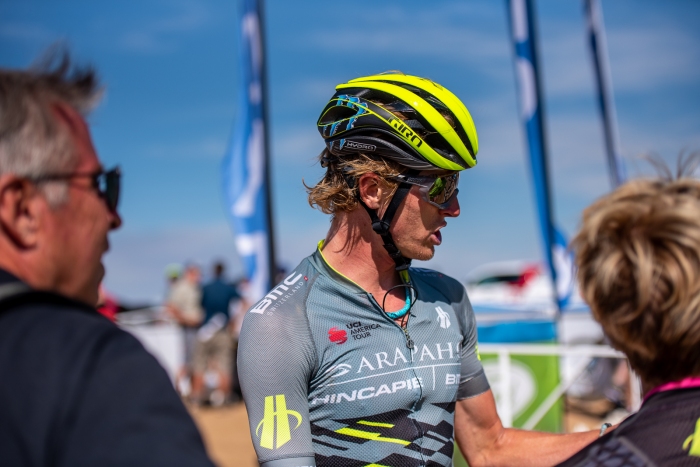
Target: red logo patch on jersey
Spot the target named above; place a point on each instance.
(337, 336)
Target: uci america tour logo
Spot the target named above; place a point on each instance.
(443, 317)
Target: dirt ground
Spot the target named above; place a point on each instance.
(225, 430)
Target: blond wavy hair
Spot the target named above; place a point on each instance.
(638, 258)
(337, 190)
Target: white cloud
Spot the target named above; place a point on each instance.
(314, 89)
(641, 59)
(136, 261)
(437, 30)
(299, 144)
(210, 147)
(160, 35)
(26, 32)
(143, 42)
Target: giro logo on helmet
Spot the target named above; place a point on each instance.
(406, 132)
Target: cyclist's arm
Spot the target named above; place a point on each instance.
(484, 441)
(479, 432)
(275, 362)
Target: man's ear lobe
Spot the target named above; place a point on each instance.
(370, 188)
(19, 211)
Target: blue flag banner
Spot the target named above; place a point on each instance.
(597, 45)
(245, 165)
(531, 113)
(563, 260)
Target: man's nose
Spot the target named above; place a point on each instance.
(116, 220)
(452, 208)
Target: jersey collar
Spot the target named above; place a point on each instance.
(329, 270)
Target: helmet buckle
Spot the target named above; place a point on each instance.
(380, 227)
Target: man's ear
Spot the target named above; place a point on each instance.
(19, 211)
(371, 189)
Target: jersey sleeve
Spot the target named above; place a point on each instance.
(473, 380)
(276, 359)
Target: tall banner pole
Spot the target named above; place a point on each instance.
(598, 48)
(523, 35)
(246, 166)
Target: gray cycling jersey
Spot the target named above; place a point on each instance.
(330, 380)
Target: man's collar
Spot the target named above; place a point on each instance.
(6, 277)
(328, 270)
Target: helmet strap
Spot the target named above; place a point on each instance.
(381, 226)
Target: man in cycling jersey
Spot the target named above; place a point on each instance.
(638, 257)
(356, 358)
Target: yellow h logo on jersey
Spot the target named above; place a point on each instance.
(692, 442)
(276, 420)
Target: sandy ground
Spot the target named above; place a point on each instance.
(225, 432)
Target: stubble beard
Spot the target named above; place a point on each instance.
(421, 253)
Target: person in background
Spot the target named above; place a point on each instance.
(76, 389)
(213, 350)
(184, 305)
(173, 271)
(638, 258)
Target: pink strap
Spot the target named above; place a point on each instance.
(689, 382)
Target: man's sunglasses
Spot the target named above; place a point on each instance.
(436, 190)
(106, 183)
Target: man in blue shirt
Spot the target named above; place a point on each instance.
(213, 353)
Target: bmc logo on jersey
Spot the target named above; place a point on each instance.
(284, 290)
(275, 423)
(337, 336)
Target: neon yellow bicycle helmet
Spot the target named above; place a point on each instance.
(411, 120)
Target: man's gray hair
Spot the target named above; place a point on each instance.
(32, 143)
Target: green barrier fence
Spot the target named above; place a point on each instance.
(533, 378)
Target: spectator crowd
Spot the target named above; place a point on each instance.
(209, 314)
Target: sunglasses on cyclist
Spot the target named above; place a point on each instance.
(436, 190)
(106, 183)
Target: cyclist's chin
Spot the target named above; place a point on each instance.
(422, 253)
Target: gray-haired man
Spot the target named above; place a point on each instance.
(76, 390)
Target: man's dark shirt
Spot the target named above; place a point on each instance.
(216, 297)
(665, 432)
(75, 390)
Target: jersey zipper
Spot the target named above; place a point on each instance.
(409, 341)
(410, 345)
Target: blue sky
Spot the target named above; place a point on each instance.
(170, 71)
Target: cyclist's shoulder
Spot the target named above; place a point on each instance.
(437, 282)
(278, 325)
(287, 299)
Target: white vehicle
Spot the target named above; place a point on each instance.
(522, 291)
